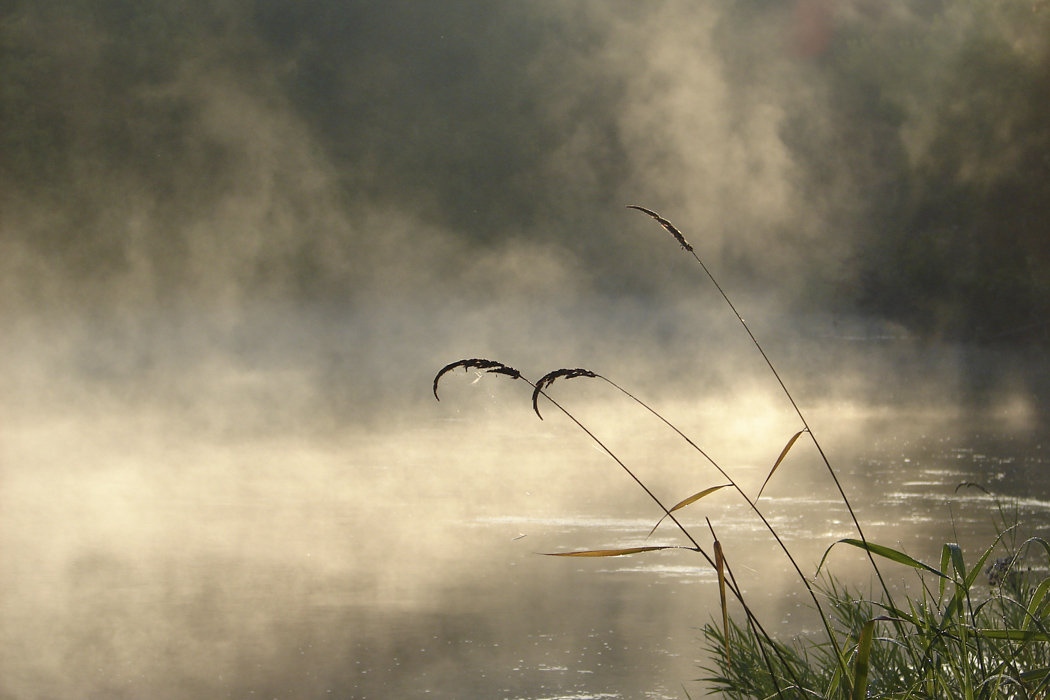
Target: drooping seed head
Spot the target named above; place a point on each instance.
(549, 378)
(490, 366)
(666, 224)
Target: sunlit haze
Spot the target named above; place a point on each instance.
(239, 238)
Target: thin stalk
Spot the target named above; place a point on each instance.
(494, 367)
(592, 436)
(754, 507)
(737, 593)
(760, 631)
(753, 623)
(969, 606)
(834, 477)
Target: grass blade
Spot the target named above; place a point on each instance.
(958, 564)
(720, 566)
(946, 554)
(609, 552)
(692, 499)
(860, 664)
(1035, 674)
(697, 496)
(780, 459)
(885, 553)
(1037, 601)
(1036, 540)
(979, 566)
(1014, 635)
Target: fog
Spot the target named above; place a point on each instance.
(452, 180)
(238, 239)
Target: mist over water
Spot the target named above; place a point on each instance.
(238, 239)
(147, 555)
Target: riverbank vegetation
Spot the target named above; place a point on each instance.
(974, 630)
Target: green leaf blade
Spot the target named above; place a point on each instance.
(861, 663)
(885, 553)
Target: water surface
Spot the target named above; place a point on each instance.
(145, 559)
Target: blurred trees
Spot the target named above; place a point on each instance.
(927, 150)
(947, 117)
(92, 123)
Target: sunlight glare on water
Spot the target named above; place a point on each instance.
(409, 561)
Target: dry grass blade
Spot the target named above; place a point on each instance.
(666, 224)
(610, 552)
(476, 363)
(549, 378)
(780, 459)
(682, 504)
(720, 565)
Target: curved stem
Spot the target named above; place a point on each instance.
(754, 507)
(667, 225)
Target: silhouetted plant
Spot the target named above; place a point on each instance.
(946, 643)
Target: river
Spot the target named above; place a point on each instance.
(144, 556)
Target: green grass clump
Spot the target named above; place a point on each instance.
(975, 632)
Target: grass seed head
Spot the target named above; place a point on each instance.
(670, 228)
(490, 366)
(549, 378)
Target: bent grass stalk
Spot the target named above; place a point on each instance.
(549, 379)
(941, 649)
(719, 562)
(494, 367)
(670, 228)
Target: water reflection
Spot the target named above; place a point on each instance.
(140, 560)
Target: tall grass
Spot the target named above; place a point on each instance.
(958, 638)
